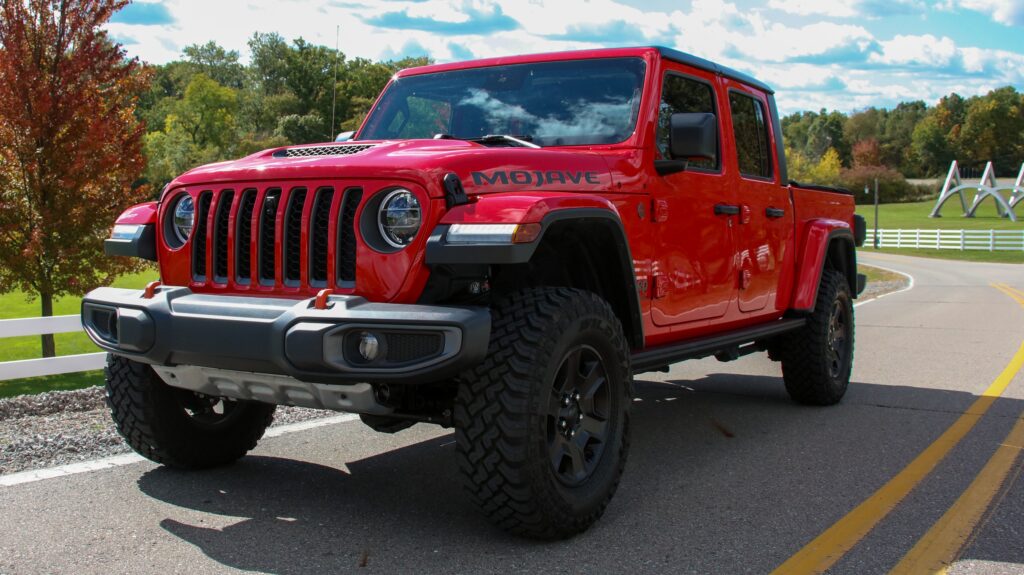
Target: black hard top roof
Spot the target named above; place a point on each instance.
(701, 63)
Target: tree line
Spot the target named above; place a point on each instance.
(912, 140)
(208, 106)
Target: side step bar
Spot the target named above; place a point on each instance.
(663, 356)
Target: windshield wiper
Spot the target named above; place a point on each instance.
(522, 141)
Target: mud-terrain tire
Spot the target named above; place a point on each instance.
(176, 427)
(817, 359)
(555, 354)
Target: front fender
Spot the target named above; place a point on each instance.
(549, 212)
(544, 208)
(134, 233)
(521, 207)
(820, 237)
(141, 214)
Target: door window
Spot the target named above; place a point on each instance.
(680, 94)
(751, 133)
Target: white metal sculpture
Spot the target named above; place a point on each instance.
(1018, 189)
(987, 187)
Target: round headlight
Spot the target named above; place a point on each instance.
(399, 218)
(184, 218)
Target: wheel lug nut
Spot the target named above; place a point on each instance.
(563, 423)
(565, 401)
(579, 417)
(576, 396)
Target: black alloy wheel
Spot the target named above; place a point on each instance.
(578, 412)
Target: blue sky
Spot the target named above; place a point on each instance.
(836, 54)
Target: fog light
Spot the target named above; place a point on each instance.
(369, 347)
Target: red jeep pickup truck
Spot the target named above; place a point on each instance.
(499, 249)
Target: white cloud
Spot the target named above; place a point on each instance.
(1009, 12)
(833, 8)
(546, 17)
(848, 8)
(926, 50)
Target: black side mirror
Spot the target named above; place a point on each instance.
(690, 136)
(693, 136)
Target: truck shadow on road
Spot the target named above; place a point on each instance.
(726, 461)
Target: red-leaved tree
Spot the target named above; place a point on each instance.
(70, 146)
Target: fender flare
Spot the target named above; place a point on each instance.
(438, 252)
(820, 238)
(142, 242)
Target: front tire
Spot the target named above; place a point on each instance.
(818, 359)
(542, 424)
(176, 427)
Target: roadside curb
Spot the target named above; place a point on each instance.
(908, 287)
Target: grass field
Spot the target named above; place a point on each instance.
(1013, 257)
(878, 274)
(15, 305)
(63, 382)
(914, 216)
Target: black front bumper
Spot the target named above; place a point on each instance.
(417, 344)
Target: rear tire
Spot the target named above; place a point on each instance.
(176, 427)
(542, 424)
(818, 359)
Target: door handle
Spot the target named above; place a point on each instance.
(775, 212)
(726, 210)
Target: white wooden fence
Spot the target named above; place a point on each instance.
(48, 365)
(987, 240)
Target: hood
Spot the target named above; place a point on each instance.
(482, 169)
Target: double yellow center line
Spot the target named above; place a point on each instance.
(939, 547)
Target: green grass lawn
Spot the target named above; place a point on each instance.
(914, 216)
(66, 381)
(878, 274)
(15, 305)
(1013, 257)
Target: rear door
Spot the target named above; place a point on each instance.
(693, 268)
(765, 222)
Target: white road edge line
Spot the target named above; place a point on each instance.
(909, 287)
(129, 458)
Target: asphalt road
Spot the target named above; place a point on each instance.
(726, 475)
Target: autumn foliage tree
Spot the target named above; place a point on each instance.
(70, 146)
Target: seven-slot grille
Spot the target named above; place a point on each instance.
(286, 230)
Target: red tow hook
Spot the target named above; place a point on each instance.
(150, 290)
(321, 298)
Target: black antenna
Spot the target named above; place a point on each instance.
(334, 87)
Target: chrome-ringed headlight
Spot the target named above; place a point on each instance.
(183, 218)
(399, 217)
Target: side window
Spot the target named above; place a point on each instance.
(680, 95)
(748, 126)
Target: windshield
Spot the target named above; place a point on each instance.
(578, 102)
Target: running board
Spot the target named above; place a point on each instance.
(663, 356)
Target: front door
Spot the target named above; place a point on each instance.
(694, 272)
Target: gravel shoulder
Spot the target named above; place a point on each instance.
(881, 281)
(61, 427)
